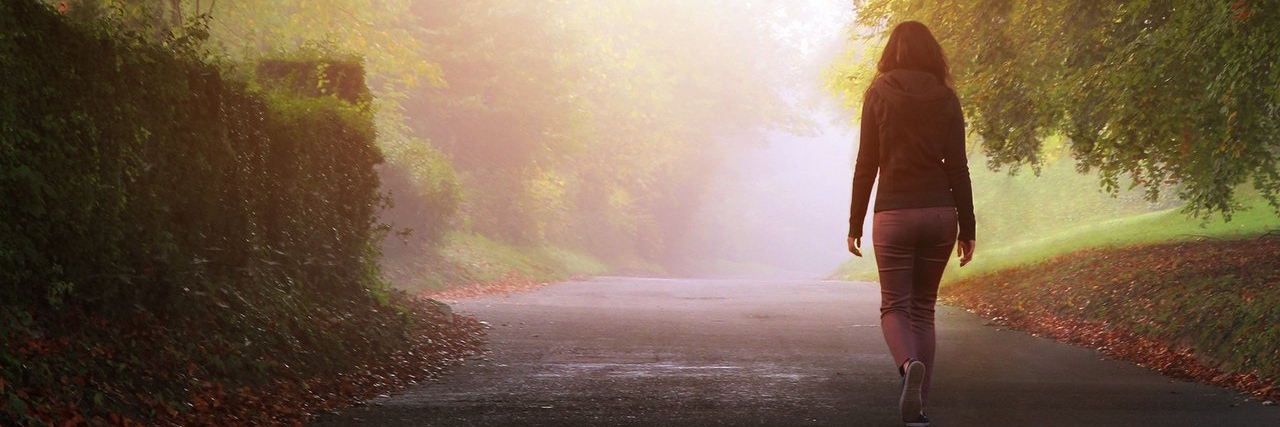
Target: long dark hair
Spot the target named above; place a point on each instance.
(912, 46)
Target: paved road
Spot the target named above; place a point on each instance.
(646, 352)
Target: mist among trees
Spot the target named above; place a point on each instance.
(596, 126)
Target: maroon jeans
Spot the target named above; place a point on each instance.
(912, 247)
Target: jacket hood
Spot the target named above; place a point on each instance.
(914, 95)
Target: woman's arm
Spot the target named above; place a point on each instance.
(957, 166)
(868, 164)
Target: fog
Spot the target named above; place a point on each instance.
(779, 208)
(694, 136)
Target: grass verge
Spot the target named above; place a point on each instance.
(1170, 225)
(469, 264)
(1204, 310)
(1190, 298)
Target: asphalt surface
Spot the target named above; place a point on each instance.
(649, 352)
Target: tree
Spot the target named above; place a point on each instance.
(595, 124)
(418, 177)
(1177, 93)
(676, 85)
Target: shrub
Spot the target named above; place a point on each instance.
(139, 186)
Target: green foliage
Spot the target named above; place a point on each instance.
(1168, 225)
(132, 170)
(142, 188)
(594, 125)
(381, 32)
(316, 78)
(465, 259)
(1152, 93)
(422, 186)
(425, 175)
(504, 102)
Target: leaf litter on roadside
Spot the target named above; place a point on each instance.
(1204, 311)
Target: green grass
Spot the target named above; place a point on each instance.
(858, 269)
(1212, 299)
(1026, 218)
(1153, 227)
(468, 258)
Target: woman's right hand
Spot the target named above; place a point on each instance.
(855, 245)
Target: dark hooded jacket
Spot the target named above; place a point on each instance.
(913, 136)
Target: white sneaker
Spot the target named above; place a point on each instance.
(921, 421)
(910, 404)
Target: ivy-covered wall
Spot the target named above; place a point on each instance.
(132, 175)
(187, 241)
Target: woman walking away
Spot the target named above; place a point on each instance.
(913, 137)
